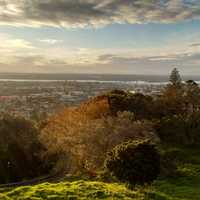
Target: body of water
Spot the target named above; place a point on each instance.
(140, 79)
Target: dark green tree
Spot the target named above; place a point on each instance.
(175, 78)
(19, 149)
(192, 96)
(140, 104)
(172, 96)
(136, 162)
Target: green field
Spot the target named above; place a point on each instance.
(184, 187)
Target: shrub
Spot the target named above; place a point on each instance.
(179, 129)
(169, 162)
(193, 128)
(171, 130)
(141, 105)
(19, 149)
(134, 162)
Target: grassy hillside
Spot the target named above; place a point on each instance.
(184, 187)
(73, 190)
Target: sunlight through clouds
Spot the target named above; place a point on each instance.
(89, 36)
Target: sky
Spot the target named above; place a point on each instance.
(100, 36)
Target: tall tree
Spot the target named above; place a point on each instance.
(175, 78)
(172, 96)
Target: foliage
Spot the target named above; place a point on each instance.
(171, 130)
(179, 129)
(134, 162)
(95, 108)
(192, 96)
(19, 149)
(175, 78)
(139, 104)
(170, 159)
(170, 103)
(85, 140)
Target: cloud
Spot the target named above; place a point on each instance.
(81, 13)
(50, 41)
(195, 45)
(18, 55)
(17, 43)
(10, 44)
(187, 63)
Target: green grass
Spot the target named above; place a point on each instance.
(72, 190)
(187, 185)
(184, 187)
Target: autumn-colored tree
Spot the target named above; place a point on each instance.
(96, 107)
(85, 134)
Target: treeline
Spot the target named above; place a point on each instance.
(78, 139)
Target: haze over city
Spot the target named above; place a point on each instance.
(91, 36)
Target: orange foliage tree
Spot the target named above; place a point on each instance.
(84, 135)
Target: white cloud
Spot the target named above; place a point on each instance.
(11, 46)
(16, 43)
(50, 41)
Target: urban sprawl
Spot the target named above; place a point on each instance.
(35, 99)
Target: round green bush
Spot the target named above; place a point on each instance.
(135, 162)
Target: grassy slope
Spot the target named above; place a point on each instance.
(73, 190)
(185, 187)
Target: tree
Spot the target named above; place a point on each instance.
(86, 137)
(179, 129)
(136, 162)
(192, 96)
(172, 96)
(139, 104)
(175, 78)
(19, 149)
